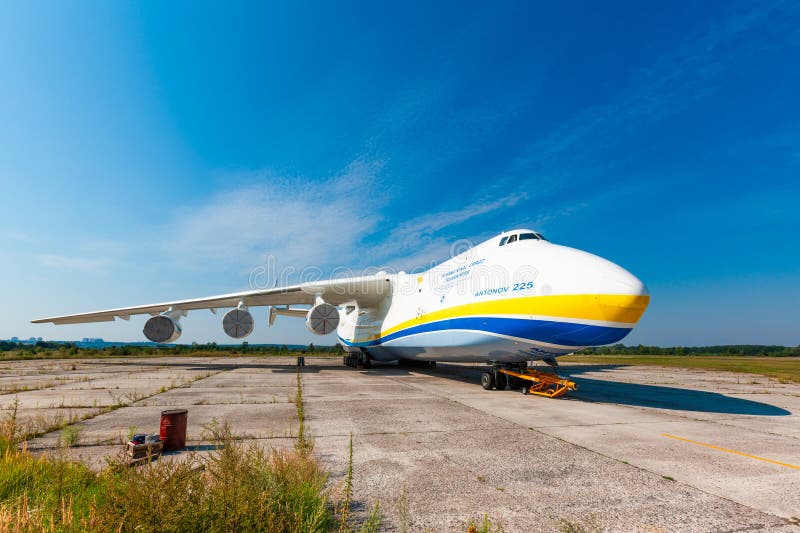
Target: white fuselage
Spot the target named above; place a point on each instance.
(527, 299)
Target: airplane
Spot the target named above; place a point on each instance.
(511, 300)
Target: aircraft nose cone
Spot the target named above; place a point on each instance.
(615, 294)
(626, 296)
(617, 280)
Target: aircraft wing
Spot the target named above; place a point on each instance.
(366, 291)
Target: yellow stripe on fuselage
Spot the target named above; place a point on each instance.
(605, 307)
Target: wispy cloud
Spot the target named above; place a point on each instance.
(337, 221)
(298, 222)
(667, 86)
(80, 264)
(422, 240)
(585, 145)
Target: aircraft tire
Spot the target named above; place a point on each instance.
(487, 380)
(500, 381)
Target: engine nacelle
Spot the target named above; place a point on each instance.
(238, 323)
(322, 319)
(162, 329)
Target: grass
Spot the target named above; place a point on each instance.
(238, 487)
(348, 486)
(484, 526)
(303, 444)
(783, 369)
(70, 435)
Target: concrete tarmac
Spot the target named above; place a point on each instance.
(634, 449)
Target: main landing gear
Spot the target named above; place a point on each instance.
(519, 376)
(357, 359)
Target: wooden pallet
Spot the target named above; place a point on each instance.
(140, 453)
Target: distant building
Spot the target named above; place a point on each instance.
(90, 340)
(14, 339)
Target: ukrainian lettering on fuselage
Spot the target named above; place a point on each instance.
(460, 272)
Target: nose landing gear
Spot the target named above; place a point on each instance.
(530, 381)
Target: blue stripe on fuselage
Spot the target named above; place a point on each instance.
(549, 331)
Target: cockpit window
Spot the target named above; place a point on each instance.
(511, 239)
(503, 241)
(531, 237)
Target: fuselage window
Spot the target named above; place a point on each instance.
(528, 236)
(512, 239)
(503, 241)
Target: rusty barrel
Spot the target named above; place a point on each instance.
(173, 429)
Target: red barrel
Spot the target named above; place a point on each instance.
(173, 429)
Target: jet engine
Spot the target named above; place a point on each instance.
(238, 323)
(162, 329)
(322, 319)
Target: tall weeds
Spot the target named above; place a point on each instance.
(238, 487)
(304, 444)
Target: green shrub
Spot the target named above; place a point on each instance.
(70, 435)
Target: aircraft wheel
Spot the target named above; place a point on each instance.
(501, 381)
(487, 380)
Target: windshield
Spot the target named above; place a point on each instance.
(522, 237)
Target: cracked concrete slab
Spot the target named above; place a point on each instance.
(435, 449)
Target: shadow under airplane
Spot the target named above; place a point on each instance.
(673, 398)
(632, 394)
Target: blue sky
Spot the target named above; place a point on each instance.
(152, 151)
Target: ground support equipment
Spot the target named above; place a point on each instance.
(518, 375)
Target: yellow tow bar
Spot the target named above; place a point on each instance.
(542, 383)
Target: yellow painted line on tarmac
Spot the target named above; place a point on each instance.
(720, 448)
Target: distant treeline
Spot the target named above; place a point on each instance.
(725, 349)
(71, 349)
(66, 349)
